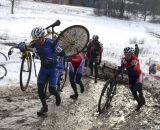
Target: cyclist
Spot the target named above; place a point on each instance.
(48, 51)
(94, 54)
(136, 52)
(135, 75)
(76, 66)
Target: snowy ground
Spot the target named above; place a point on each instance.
(18, 110)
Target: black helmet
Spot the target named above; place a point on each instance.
(95, 37)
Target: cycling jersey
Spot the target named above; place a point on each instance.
(76, 63)
(48, 52)
(133, 62)
(133, 68)
(94, 49)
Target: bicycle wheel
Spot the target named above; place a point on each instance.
(25, 71)
(3, 58)
(63, 78)
(73, 39)
(106, 96)
(46, 90)
(3, 71)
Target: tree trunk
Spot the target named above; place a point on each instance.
(12, 6)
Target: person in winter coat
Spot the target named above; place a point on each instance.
(136, 52)
(94, 55)
(76, 66)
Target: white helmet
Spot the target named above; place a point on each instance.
(37, 32)
(128, 50)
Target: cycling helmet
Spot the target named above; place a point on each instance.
(37, 32)
(128, 50)
(95, 37)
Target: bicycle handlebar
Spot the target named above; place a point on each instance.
(11, 51)
(114, 71)
(56, 23)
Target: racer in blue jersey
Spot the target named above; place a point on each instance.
(48, 50)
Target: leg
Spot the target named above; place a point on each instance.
(79, 81)
(96, 72)
(73, 85)
(53, 90)
(91, 66)
(41, 83)
(86, 62)
(141, 97)
(53, 81)
(134, 93)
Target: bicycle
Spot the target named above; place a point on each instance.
(3, 70)
(72, 40)
(109, 90)
(62, 76)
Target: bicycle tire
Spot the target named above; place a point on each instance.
(64, 78)
(25, 59)
(108, 92)
(46, 90)
(3, 58)
(73, 39)
(3, 71)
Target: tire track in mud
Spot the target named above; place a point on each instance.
(18, 110)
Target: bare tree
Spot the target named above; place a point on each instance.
(12, 6)
(122, 8)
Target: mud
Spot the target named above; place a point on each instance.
(18, 110)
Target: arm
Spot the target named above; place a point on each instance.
(23, 47)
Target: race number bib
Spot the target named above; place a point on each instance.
(58, 49)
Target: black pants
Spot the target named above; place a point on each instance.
(95, 67)
(75, 78)
(42, 95)
(137, 88)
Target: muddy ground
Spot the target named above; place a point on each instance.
(18, 110)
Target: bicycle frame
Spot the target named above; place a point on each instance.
(109, 90)
(25, 56)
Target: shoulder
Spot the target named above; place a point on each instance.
(134, 60)
(134, 57)
(90, 42)
(100, 44)
(48, 40)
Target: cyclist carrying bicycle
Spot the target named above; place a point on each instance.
(131, 63)
(76, 66)
(48, 51)
(94, 55)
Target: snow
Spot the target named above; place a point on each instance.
(115, 34)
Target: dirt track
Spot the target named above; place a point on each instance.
(18, 110)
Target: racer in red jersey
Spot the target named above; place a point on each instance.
(76, 66)
(131, 63)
